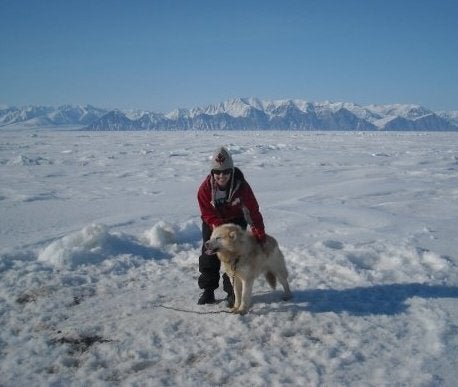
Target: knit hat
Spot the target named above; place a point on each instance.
(221, 159)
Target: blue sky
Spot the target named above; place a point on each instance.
(159, 55)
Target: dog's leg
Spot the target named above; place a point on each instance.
(282, 276)
(284, 282)
(237, 285)
(287, 295)
(247, 288)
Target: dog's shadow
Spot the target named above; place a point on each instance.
(372, 300)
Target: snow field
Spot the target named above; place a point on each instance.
(99, 250)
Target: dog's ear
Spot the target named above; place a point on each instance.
(233, 235)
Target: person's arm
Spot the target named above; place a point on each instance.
(251, 204)
(207, 210)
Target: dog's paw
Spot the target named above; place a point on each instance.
(287, 296)
(239, 311)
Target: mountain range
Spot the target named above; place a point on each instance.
(240, 114)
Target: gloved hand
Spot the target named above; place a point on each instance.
(260, 235)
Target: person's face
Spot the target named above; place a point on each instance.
(222, 177)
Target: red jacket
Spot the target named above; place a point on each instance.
(240, 203)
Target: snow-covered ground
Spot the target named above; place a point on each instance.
(100, 234)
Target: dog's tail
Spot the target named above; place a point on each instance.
(271, 279)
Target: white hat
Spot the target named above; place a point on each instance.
(221, 159)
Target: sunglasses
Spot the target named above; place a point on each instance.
(224, 171)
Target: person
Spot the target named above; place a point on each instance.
(224, 197)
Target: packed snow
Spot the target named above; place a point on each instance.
(100, 238)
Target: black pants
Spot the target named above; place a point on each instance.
(209, 265)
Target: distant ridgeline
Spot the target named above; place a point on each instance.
(239, 114)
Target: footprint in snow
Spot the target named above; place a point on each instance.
(335, 245)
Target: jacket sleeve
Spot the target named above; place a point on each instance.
(209, 214)
(251, 204)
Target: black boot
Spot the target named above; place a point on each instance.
(207, 297)
(230, 300)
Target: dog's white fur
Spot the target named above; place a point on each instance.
(244, 259)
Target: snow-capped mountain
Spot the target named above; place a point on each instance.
(292, 114)
(243, 114)
(50, 116)
(451, 116)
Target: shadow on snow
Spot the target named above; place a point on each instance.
(373, 300)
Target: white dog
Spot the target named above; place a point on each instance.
(244, 259)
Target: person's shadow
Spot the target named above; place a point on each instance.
(360, 301)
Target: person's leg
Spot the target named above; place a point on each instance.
(241, 222)
(209, 266)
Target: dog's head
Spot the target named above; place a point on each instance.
(224, 238)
